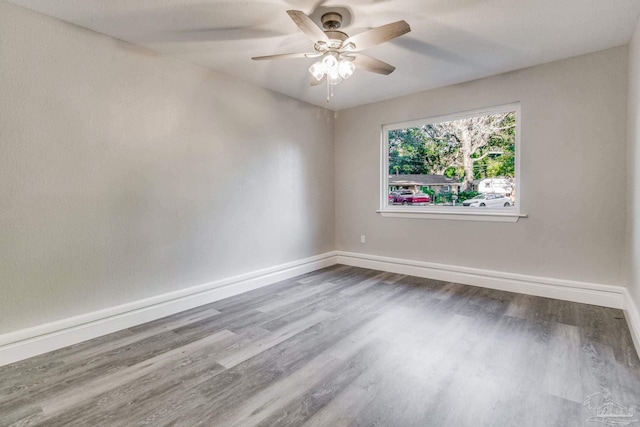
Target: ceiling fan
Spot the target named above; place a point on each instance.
(338, 50)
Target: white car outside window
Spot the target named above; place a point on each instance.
(491, 200)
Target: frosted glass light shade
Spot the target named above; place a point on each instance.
(334, 77)
(317, 70)
(330, 61)
(346, 68)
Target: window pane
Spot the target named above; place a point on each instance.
(466, 162)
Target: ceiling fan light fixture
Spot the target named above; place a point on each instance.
(317, 70)
(339, 50)
(330, 61)
(346, 68)
(334, 66)
(334, 77)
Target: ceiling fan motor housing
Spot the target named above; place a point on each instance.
(331, 20)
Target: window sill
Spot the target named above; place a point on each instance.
(454, 215)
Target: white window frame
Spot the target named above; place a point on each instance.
(511, 214)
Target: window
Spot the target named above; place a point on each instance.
(463, 164)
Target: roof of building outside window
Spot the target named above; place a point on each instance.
(420, 179)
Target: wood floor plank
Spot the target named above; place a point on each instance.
(280, 303)
(41, 387)
(274, 397)
(342, 346)
(272, 339)
(149, 397)
(425, 371)
(365, 284)
(60, 402)
(319, 394)
(261, 371)
(339, 412)
(41, 364)
(563, 379)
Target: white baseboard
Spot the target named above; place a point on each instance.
(568, 290)
(632, 314)
(30, 342)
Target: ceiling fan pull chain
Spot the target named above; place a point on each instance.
(329, 91)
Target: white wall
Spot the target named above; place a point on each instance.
(573, 184)
(125, 175)
(633, 131)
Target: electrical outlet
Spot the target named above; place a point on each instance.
(363, 238)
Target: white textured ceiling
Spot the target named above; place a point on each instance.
(451, 41)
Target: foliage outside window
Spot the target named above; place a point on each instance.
(461, 163)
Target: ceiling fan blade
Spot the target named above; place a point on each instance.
(307, 26)
(372, 64)
(287, 56)
(315, 82)
(377, 35)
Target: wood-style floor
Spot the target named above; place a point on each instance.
(343, 346)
